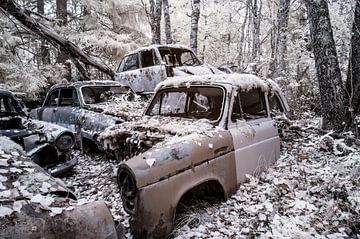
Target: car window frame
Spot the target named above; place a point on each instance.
(223, 103)
(236, 95)
(75, 102)
(49, 96)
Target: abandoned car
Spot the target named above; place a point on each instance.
(198, 132)
(145, 67)
(46, 144)
(36, 205)
(88, 107)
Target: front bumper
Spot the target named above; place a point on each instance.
(62, 167)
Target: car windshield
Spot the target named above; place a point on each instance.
(195, 102)
(178, 57)
(9, 106)
(100, 94)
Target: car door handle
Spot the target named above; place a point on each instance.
(55, 110)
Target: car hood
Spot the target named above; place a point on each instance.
(33, 203)
(204, 69)
(178, 145)
(25, 127)
(125, 110)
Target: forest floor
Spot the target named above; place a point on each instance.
(312, 191)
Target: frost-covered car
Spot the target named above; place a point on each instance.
(36, 205)
(145, 67)
(199, 134)
(46, 144)
(89, 107)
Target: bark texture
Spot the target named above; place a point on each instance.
(61, 16)
(167, 22)
(44, 54)
(256, 12)
(195, 15)
(353, 76)
(54, 38)
(154, 16)
(332, 92)
(281, 37)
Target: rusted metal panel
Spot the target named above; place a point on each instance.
(36, 205)
(155, 212)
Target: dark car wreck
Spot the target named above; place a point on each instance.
(36, 205)
(46, 144)
(145, 67)
(89, 107)
(198, 133)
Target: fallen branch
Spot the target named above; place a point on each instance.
(54, 38)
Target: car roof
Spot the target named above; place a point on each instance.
(6, 92)
(155, 46)
(78, 84)
(246, 81)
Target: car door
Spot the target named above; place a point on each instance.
(255, 136)
(141, 71)
(67, 108)
(49, 109)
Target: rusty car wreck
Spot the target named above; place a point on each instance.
(46, 144)
(145, 67)
(36, 205)
(199, 133)
(89, 107)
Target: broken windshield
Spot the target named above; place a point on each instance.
(196, 102)
(100, 94)
(178, 57)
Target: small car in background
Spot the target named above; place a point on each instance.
(46, 144)
(36, 205)
(145, 67)
(89, 107)
(199, 135)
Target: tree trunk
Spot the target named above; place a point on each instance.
(167, 22)
(44, 54)
(353, 76)
(240, 58)
(54, 38)
(195, 14)
(61, 15)
(331, 87)
(154, 16)
(256, 11)
(281, 37)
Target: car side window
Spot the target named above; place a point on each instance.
(131, 62)
(236, 111)
(52, 99)
(253, 104)
(275, 104)
(67, 97)
(147, 58)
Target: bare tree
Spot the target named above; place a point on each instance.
(61, 16)
(256, 7)
(332, 92)
(195, 15)
(167, 22)
(353, 76)
(281, 37)
(240, 58)
(153, 13)
(44, 54)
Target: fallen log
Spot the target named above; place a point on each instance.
(74, 52)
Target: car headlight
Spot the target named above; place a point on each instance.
(65, 142)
